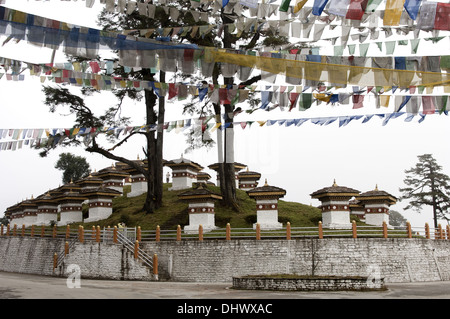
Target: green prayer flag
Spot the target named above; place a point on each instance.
(305, 101)
(284, 5)
(372, 5)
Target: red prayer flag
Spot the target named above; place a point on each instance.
(172, 90)
(94, 66)
(223, 96)
(188, 54)
(357, 101)
(356, 9)
(442, 20)
(293, 98)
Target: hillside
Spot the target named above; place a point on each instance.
(174, 212)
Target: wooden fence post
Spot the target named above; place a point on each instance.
(448, 232)
(408, 230)
(66, 248)
(354, 231)
(139, 233)
(42, 231)
(288, 231)
(155, 266)
(67, 231)
(1, 230)
(8, 230)
(97, 234)
(55, 260)
(15, 230)
(115, 235)
(81, 234)
(427, 231)
(320, 230)
(228, 232)
(23, 230)
(441, 234)
(32, 231)
(136, 249)
(200, 233)
(258, 231)
(158, 234)
(178, 233)
(385, 232)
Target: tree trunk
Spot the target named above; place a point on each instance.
(150, 102)
(159, 165)
(229, 196)
(433, 192)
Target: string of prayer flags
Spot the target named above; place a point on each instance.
(53, 137)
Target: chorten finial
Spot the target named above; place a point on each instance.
(376, 187)
(265, 184)
(334, 183)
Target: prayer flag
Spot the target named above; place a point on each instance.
(412, 7)
(393, 12)
(442, 20)
(318, 7)
(356, 9)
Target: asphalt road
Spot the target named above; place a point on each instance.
(24, 286)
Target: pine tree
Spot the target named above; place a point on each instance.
(426, 185)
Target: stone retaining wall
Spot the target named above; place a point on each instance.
(307, 284)
(395, 260)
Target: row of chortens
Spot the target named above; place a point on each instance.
(99, 188)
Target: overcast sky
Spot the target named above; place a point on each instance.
(299, 159)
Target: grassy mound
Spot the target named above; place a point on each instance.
(174, 212)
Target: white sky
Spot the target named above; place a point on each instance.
(300, 159)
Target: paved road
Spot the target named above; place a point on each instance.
(23, 286)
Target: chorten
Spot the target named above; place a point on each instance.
(70, 204)
(248, 180)
(376, 206)
(138, 180)
(29, 212)
(184, 173)
(113, 177)
(47, 209)
(335, 205)
(100, 202)
(237, 167)
(201, 208)
(266, 198)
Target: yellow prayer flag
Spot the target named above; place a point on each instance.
(393, 12)
(215, 127)
(322, 97)
(299, 5)
(384, 100)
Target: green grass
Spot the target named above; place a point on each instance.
(174, 212)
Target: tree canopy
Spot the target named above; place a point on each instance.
(73, 167)
(427, 185)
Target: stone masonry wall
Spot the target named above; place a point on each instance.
(95, 260)
(395, 260)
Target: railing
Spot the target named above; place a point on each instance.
(129, 236)
(134, 248)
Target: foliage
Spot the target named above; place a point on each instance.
(396, 219)
(73, 167)
(426, 185)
